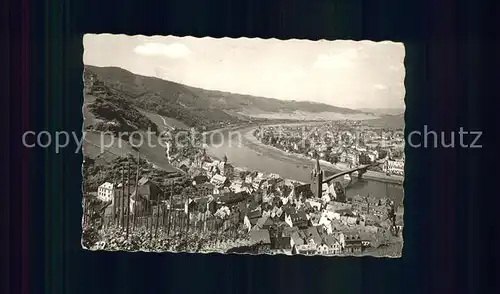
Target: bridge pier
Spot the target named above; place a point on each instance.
(361, 172)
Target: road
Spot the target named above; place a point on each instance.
(165, 123)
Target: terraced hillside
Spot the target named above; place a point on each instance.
(198, 107)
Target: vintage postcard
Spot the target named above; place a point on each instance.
(247, 145)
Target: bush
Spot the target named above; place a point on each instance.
(90, 236)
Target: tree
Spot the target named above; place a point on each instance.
(94, 210)
(367, 200)
(376, 168)
(397, 154)
(392, 217)
(222, 212)
(315, 154)
(340, 190)
(244, 174)
(189, 191)
(381, 238)
(382, 153)
(364, 159)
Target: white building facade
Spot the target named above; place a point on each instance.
(105, 192)
(395, 167)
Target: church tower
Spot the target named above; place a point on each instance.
(317, 180)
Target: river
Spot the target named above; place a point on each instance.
(242, 150)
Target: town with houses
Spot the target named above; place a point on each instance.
(319, 170)
(345, 144)
(279, 216)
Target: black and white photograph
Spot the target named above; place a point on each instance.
(244, 145)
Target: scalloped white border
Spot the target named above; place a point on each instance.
(246, 38)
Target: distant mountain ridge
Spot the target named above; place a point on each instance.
(384, 111)
(195, 106)
(388, 121)
(108, 110)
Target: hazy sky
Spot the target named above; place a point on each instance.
(341, 73)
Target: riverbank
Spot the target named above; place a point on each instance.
(265, 123)
(93, 148)
(248, 152)
(249, 137)
(382, 177)
(238, 169)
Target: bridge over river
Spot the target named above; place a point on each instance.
(244, 151)
(361, 170)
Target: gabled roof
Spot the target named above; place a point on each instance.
(254, 214)
(330, 240)
(304, 189)
(315, 217)
(141, 191)
(302, 234)
(260, 236)
(358, 198)
(262, 221)
(199, 179)
(253, 221)
(312, 233)
(218, 180)
(288, 231)
(279, 212)
(344, 211)
(226, 165)
(338, 234)
(109, 210)
(325, 186)
(253, 205)
(252, 174)
(258, 180)
(297, 239)
(300, 215)
(284, 242)
(237, 182)
(273, 176)
(203, 200)
(242, 206)
(207, 185)
(353, 239)
(185, 162)
(106, 185)
(399, 220)
(288, 209)
(247, 185)
(232, 197)
(143, 181)
(206, 166)
(268, 222)
(274, 210)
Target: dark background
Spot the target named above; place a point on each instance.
(450, 244)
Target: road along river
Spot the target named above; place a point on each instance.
(244, 150)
